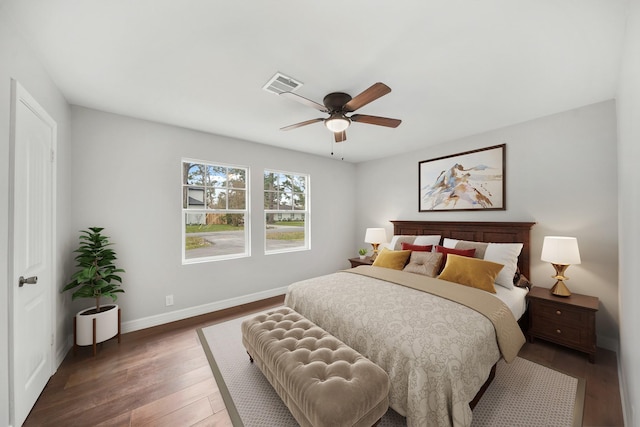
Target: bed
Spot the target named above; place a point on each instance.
(439, 354)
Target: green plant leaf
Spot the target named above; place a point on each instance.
(96, 275)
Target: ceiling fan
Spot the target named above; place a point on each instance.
(338, 104)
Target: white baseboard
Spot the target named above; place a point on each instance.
(161, 319)
(62, 352)
(622, 383)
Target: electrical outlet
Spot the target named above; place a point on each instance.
(169, 300)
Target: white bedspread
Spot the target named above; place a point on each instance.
(437, 352)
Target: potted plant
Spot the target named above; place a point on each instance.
(96, 277)
(363, 253)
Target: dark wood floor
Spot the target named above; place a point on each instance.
(160, 377)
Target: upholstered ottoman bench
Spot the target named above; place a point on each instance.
(320, 379)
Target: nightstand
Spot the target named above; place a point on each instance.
(357, 261)
(568, 321)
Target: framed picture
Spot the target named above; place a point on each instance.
(473, 180)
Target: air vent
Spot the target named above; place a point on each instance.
(280, 83)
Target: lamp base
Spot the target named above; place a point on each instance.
(560, 289)
(375, 251)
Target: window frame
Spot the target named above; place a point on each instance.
(306, 211)
(186, 211)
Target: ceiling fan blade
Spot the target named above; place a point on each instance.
(374, 92)
(305, 101)
(340, 136)
(375, 120)
(297, 125)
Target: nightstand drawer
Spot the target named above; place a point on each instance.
(556, 313)
(564, 334)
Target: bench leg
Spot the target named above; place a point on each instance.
(250, 358)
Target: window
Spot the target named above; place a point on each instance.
(286, 207)
(215, 211)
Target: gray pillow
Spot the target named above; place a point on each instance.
(425, 263)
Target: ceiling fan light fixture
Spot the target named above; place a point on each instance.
(337, 123)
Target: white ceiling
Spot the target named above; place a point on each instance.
(455, 67)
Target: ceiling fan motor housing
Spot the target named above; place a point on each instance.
(336, 101)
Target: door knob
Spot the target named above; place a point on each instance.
(29, 280)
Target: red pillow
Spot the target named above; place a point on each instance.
(418, 248)
(462, 252)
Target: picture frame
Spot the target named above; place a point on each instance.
(468, 181)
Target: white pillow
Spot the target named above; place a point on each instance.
(449, 243)
(427, 240)
(507, 255)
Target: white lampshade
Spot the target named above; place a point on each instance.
(337, 123)
(375, 235)
(560, 250)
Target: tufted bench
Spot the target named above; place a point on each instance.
(320, 379)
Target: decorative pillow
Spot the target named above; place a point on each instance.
(427, 240)
(445, 251)
(480, 247)
(507, 255)
(396, 241)
(391, 259)
(502, 253)
(472, 272)
(418, 248)
(425, 263)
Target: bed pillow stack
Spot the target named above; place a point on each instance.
(411, 253)
(500, 253)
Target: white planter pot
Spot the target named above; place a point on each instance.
(106, 325)
(363, 256)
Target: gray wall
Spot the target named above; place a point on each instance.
(560, 173)
(19, 63)
(127, 178)
(629, 211)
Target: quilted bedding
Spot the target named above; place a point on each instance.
(437, 352)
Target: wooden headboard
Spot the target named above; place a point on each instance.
(496, 232)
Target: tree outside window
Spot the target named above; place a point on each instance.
(286, 211)
(214, 211)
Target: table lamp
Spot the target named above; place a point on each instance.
(560, 252)
(375, 236)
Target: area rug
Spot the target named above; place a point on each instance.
(523, 393)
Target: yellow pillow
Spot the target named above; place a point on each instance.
(391, 259)
(473, 272)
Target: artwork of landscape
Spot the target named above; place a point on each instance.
(466, 181)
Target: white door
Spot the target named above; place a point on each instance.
(34, 138)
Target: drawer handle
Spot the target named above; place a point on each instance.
(558, 312)
(558, 331)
